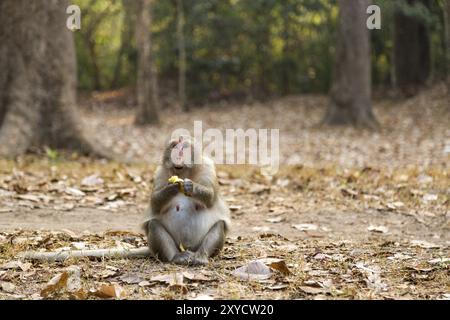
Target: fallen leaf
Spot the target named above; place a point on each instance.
(259, 189)
(130, 278)
(276, 220)
(349, 193)
(24, 266)
(29, 197)
(55, 285)
(279, 286)
(68, 281)
(92, 180)
(312, 290)
(74, 192)
(195, 276)
(7, 287)
(280, 266)
(170, 279)
(145, 283)
(305, 227)
(424, 244)
(378, 229)
(429, 197)
(439, 261)
(254, 270)
(203, 297)
(108, 291)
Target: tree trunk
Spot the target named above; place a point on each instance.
(447, 28)
(37, 79)
(147, 97)
(181, 57)
(127, 33)
(412, 51)
(350, 96)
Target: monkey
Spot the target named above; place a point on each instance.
(186, 221)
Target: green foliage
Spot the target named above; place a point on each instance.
(236, 48)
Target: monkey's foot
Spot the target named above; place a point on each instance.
(189, 258)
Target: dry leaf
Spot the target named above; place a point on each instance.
(55, 285)
(195, 276)
(24, 266)
(108, 291)
(7, 287)
(74, 192)
(429, 198)
(312, 290)
(170, 279)
(424, 244)
(276, 220)
(378, 229)
(305, 227)
(439, 261)
(130, 279)
(255, 270)
(92, 180)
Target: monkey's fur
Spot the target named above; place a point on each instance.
(186, 227)
(182, 227)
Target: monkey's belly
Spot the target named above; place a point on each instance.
(187, 221)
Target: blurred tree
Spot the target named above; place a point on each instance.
(37, 79)
(147, 89)
(181, 57)
(129, 8)
(447, 28)
(88, 33)
(412, 55)
(350, 96)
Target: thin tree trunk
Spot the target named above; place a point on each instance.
(447, 25)
(147, 97)
(126, 35)
(181, 57)
(90, 43)
(412, 51)
(38, 79)
(350, 96)
(285, 76)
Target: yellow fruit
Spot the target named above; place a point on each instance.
(176, 179)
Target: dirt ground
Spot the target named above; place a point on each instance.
(350, 214)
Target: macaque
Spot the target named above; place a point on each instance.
(188, 219)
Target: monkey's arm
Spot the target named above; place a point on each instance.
(161, 195)
(204, 194)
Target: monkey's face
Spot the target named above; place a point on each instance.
(179, 155)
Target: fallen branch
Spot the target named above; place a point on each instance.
(100, 253)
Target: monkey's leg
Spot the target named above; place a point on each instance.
(160, 241)
(211, 244)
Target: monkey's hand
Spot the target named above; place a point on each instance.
(175, 180)
(161, 196)
(188, 187)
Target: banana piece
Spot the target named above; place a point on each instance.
(176, 179)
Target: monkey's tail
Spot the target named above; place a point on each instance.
(99, 254)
